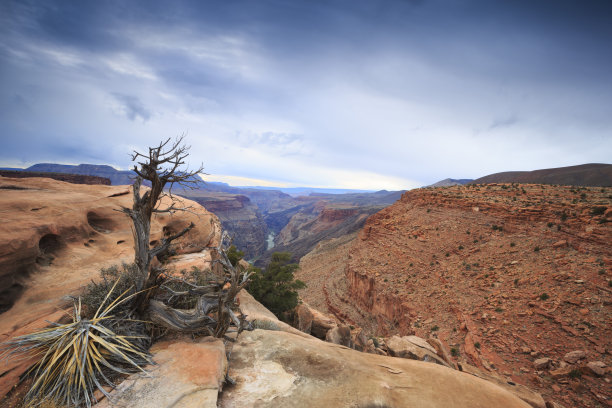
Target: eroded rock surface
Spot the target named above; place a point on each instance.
(55, 237)
(278, 369)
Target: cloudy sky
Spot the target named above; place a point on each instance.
(351, 94)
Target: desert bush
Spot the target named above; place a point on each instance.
(122, 277)
(275, 287)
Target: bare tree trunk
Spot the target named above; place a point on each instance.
(160, 167)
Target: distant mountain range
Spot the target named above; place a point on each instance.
(122, 177)
(592, 174)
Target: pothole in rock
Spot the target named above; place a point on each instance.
(48, 245)
(100, 223)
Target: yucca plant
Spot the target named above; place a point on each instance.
(77, 358)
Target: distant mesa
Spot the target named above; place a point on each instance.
(69, 178)
(116, 177)
(592, 174)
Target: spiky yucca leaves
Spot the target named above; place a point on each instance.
(76, 358)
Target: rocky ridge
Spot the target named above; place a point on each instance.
(56, 237)
(502, 274)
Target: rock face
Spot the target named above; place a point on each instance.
(240, 218)
(186, 374)
(482, 269)
(54, 239)
(317, 223)
(278, 369)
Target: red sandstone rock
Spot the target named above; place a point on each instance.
(430, 256)
(54, 239)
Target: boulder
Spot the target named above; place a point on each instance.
(340, 335)
(279, 369)
(541, 363)
(359, 339)
(413, 348)
(187, 374)
(441, 350)
(311, 321)
(595, 368)
(573, 356)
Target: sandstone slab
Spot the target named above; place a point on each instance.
(279, 369)
(187, 374)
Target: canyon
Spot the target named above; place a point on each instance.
(504, 274)
(56, 238)
(511, 281)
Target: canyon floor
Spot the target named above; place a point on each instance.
(512, 277)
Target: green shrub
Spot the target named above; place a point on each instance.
(275, 287)
(234, 255)
(544, 296)
(598, 210)
(454, 351)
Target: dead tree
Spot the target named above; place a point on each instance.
(162, 168)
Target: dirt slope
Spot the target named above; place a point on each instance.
(504, 274)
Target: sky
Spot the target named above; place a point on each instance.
(341, 94)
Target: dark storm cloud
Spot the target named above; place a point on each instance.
(329, 83)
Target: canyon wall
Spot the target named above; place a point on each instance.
(503, 274)
(240, 218)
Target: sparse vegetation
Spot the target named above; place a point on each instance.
(544, 296)
(454, 351)
(275, 287)
(575, 373)
(79, 357)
